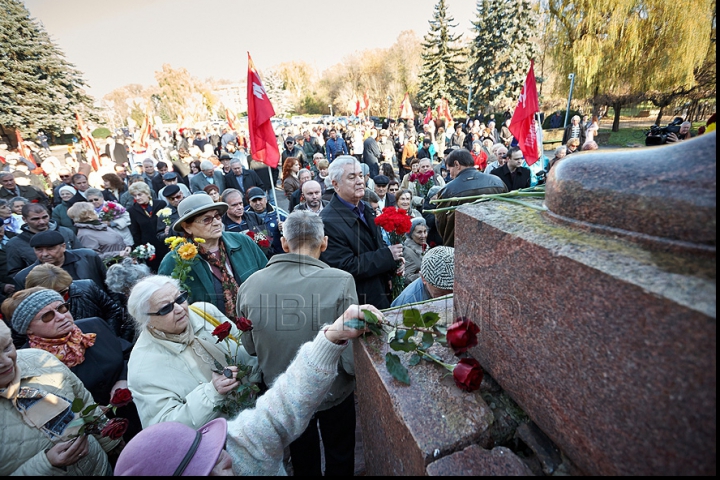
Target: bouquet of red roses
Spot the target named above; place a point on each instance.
(396, 222)
(261, 238)
(110, 211)
(423, 182)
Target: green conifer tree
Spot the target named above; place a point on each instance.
(501, 50)
(39, 89)
(442, 73)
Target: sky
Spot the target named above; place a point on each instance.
(115, 43)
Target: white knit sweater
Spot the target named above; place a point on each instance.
(257, 438)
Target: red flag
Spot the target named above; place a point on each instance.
(366, 101)
(91, 148)
(444, 112)
(23, 149)
(406, 111)
(263, 144)
(357, 106)
(522, 125)
(231, 120)
(428, 116)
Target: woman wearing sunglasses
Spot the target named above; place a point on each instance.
(89, 347)
(224, 259)
(172, 368)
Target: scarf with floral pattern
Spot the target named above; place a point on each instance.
(69, 349)
(218, 266)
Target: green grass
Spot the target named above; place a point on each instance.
(628, 136)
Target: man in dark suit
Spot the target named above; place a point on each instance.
(513, 174)
(241, 178)
(354, 241)
(381, 188)
(11, 190)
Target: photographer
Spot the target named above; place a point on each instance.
(683, 134)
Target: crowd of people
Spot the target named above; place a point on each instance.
(93, 302)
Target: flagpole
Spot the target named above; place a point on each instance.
(272, 188)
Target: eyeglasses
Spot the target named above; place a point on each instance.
(503, 155)
(178, 196)
(169, 307)
(64, 176)
(50, 316)
(208, 220)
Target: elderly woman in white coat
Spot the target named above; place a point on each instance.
(34, 387)
(171, 372)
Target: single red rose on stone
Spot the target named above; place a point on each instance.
(243, 324)
(115, 428)
(121, 397)
(222, 331)
(462, 335)
(468, 374)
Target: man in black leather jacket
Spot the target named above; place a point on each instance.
(467, 181)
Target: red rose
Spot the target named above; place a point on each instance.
(121, 397)
(243, 324)
(462, 335)
(468, 374)
(115, 428)
(34, 200)
(152, 257)
(264, 243)
(222, 331)
(111, 205)
(250, 234)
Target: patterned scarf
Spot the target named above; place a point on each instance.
(69, 349)
(218, 260)
(147, 208)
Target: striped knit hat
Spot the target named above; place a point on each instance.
(438, 267)
(28, 308)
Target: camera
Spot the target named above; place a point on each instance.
(658, 135)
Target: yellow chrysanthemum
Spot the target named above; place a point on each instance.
(176, 242)
(199, 240)
(187, 251)
(170, 240)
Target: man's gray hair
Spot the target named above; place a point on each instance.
(303, 229)
(304, 172)
(337, 167)
(234, 161)
(229, 192)
(5, 174)
(123, 276)
(141, 294)
(561, 148)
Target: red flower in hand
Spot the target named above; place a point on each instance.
(468, 374)
(264, 243)
(121, 397)
(222, 331)
(462, 335)
(111, 205)
(250, 234)
(115, 428)
(243, 324)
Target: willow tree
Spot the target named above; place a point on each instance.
(442, 74)
(621, 49)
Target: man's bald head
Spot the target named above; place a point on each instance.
(312, 193)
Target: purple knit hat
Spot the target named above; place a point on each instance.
(173, 449)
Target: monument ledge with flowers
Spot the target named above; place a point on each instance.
(596, 311)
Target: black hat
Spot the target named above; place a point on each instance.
(170, 176)
(255, 192)
(225, 156)
(170, 190)
(48, 238)
(381, 180)
(289, 139)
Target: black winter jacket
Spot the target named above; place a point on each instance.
(88, 300)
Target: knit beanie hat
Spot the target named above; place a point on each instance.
(67, 188)
(415, 223)
(28, 308)
(433, 190)
(438, 267)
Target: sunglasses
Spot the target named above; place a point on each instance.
(48, 317)
(64, 176)
(208, 220)
(179, 196)
(169, 307)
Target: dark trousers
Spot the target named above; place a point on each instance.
(337, 427)
(374, 169)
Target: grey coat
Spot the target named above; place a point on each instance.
(316, 295)
(199, 181)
